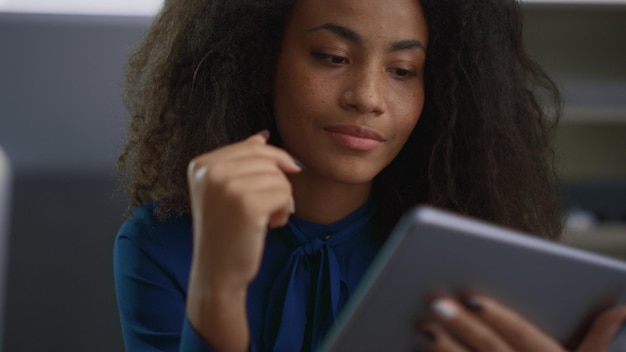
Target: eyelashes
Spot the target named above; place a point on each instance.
(330, 58)
(338, 60)
(403, 73)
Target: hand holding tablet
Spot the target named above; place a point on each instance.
(556, 288)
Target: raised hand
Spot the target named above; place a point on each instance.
(236, 193)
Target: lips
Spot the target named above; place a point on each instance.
(357, 131)
(355, 137)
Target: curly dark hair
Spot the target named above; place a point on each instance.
(481, 146)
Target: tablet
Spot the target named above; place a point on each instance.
(558, 288)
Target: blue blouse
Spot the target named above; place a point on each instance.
(307, 274)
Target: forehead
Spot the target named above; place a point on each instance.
(385, 20)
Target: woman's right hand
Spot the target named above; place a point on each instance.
(236, 193)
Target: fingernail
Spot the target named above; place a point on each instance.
(472, 304)
(299, 163)
(429, 335)
(444, 309)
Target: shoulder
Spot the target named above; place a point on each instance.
(143, 224)
(155, 237)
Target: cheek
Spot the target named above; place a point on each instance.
(409, 113)
(299, 94)
(312, 91)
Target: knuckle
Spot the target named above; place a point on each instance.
(199, 167)
(192, 167)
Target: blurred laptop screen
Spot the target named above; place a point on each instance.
(84, 7)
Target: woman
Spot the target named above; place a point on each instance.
(366, 108)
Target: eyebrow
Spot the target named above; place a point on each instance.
(349, 34)
(407, 44)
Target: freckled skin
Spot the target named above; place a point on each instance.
(310, 94)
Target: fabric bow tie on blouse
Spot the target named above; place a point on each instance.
(313, 295)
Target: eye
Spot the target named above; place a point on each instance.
(403, 73)
(331, 59)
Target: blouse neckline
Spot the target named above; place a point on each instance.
(305, 230)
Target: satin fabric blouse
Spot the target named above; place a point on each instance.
(307, 274)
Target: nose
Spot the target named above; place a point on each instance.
(364, 93)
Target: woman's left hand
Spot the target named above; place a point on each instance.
(477, 323)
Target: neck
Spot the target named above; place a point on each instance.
(320, 200)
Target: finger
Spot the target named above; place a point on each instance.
(250, 202)
(434, 337)
(273, 183)
(279, 218)
(467, 327)
(225, 179)
(273, 206)
(244, 175)
(249, 148)
(603, 330)
(518, 332)
(236, 187)
(262, 137)
(286, 162)
(245, 166)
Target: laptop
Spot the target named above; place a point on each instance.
(558, 288)
(5, 201)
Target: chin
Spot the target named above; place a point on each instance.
(350, 173)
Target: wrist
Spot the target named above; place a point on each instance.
(219, 316)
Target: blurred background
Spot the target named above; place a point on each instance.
(62, 124)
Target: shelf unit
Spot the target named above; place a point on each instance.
(608, 239)
(582, 46)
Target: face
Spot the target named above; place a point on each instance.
(349, 86)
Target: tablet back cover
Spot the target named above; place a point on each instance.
(558, 288)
